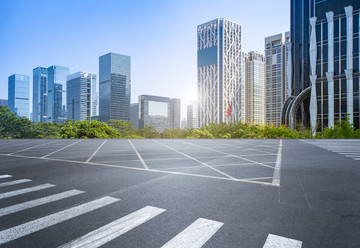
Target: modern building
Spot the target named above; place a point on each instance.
(255, 88)
(221, 72)
(192, 114)
(277, 82)
(175, 112)
(325, 84)
(57, 93)
(3, 102)
(40, 95)
(134, 115)
(81, 96)
(114, 87)
(18, 94)
(183, 123)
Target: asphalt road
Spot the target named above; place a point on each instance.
(180, 193)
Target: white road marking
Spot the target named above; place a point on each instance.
(38, 202)
(53, 219)
(51, 153)
(32, 147)
(139, 156)
(26, 190)
(14, 182)
(274, 241)
(245, 149)
(89, 159)
(195, 235)
(17, 144)
(5, 176)
(277, 169)
(352, 156)
(114, 229)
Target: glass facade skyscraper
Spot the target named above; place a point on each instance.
(18, 94)
(134, 115)
(175, 106)
(154, 111)
(57, 93)
(114, 87)
(3, 102)
(40, 94)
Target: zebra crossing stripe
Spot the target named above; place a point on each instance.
(274, 241)
(14, 182)
(5, 176)
(26, 190)
(195, 235)
(38, 202)
(115, 229)
(53, 219)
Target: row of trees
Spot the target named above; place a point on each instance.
(12, 126)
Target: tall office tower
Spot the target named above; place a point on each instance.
(183, 123)
(175, 106)
(57, 93)
(114, 87)
(134, 115)
(277, 81)
(81, 96)
(220, 68)
(325, 83)
(18, 94)
(40, 94)
(192, 114)
(3, 102)
(255, 88)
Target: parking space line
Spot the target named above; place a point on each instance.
(274, 241)
(31, 147)
(277, 169)
(14, 182)
(16, 144)
(5, 176)
(51, 153)
(26, 190)
(214, 165)
(245, 148)
(89, 159)
(139, 156)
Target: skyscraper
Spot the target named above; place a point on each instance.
(18, 94)
(154, 111)
(134, 115)
(221, 72)
(3, 102)
(114, 87)
(255, 88)
(192, 113)
(175, 105)
(40, 94)
(57, 93)
(81, 96)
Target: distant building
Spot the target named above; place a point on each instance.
(255, 88)
(3, 102)
(18, 94)
(81, 96)
(221, 72)
(175, 106)
(114, 87)
(40, 95)
(183, 123)
(57, 93)
(134, 115)
(192, 113)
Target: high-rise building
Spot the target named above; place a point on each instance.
(134, 115)
(325, 60)
(183, 123)
(18, 94)
(175, 106)
(57, 93)
(40, 95)
(114, 87)
(192, 114)
(81, 96)
(3, 102)
(255, 88)
(277, 82)
(221, 72)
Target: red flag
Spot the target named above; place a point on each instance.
(229, 109)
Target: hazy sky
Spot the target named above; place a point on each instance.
(160, 37)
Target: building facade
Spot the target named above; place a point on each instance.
(175, 112)
(221, 72)
(81, 96)
(192, 114)
(255, 88)
(114, 87)
(3, 102)
(18, 94)
(134, 115)
(57, 93)
(40, 95)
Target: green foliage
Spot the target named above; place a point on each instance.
(342, 130)
(12, 126)
(149, 132)
(47, 130)
(125, 128)
(200, 134)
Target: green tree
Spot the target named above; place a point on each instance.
(125, 128)
(12, 126)
(342, 130)
(86, 129)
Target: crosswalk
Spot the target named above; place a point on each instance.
(193, 236)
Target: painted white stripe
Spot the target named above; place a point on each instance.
(195, 235)
(115, 229)
(26, 190)
(352, 156)
(32, 147)
(274, 241)
(38, 202)
(139, 156)
(51, 153)
(14, 182)
(89, 159)
(277, 169)
(53, 219)
(5, 176)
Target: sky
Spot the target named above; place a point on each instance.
(160, 37)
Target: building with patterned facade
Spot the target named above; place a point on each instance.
(40, 95)
(18, 94)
